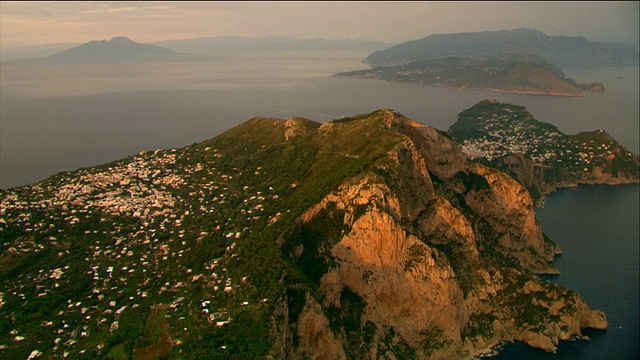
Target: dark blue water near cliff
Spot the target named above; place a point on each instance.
(597, 228)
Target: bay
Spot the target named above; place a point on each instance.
(597, 228)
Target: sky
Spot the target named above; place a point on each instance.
(25, 23)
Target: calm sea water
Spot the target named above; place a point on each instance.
(597, 228)
(57, 119)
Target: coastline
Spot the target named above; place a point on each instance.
(606, 224)
(507, 91)
(550, 189)
(491, 351)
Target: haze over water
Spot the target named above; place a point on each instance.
(59, 119)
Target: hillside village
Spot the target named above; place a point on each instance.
(491, 130)
(145, 211)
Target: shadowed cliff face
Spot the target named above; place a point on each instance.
(490, 195)
(437, 255)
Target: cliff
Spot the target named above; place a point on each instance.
(366, 237)
(435, 260)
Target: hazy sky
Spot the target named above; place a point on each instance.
(30, 22)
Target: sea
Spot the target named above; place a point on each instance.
(59, 118)
(597, 228)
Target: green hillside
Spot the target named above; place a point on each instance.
(281, 239)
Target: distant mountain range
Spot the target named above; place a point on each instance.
(123, 50)
(507, 73)
(563, 51)
(33, 51)
(222, 45)
(117, 50)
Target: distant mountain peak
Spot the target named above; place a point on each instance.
(122, 39)
(528, 30)
(119, 49)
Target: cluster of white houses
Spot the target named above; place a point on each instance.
(126, 262)
(502, 136)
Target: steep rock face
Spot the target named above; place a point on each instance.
(491, 194)
(522, 169)
(312, 332)
(444, 273)
(441, 155)
(443, 223)
(509, 208)
(318, 340)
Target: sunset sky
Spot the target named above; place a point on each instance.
(29, 22)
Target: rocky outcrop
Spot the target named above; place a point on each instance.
(509, 208)
(435, 261)
(293, 129)
(521, 168)
(317, 340)
(594, 87)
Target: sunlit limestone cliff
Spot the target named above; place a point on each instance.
(366, 237)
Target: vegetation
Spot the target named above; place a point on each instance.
(506, 73)
(537, 154)
(478, 325)
(186, 253)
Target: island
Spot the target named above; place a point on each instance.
(283, 239)
(563, 51)
(521, 74)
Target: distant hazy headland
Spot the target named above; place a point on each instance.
(521, 61)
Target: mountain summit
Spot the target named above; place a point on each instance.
(365, 237)
(117, 50)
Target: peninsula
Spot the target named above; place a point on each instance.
(537, 154)
(508, 73)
